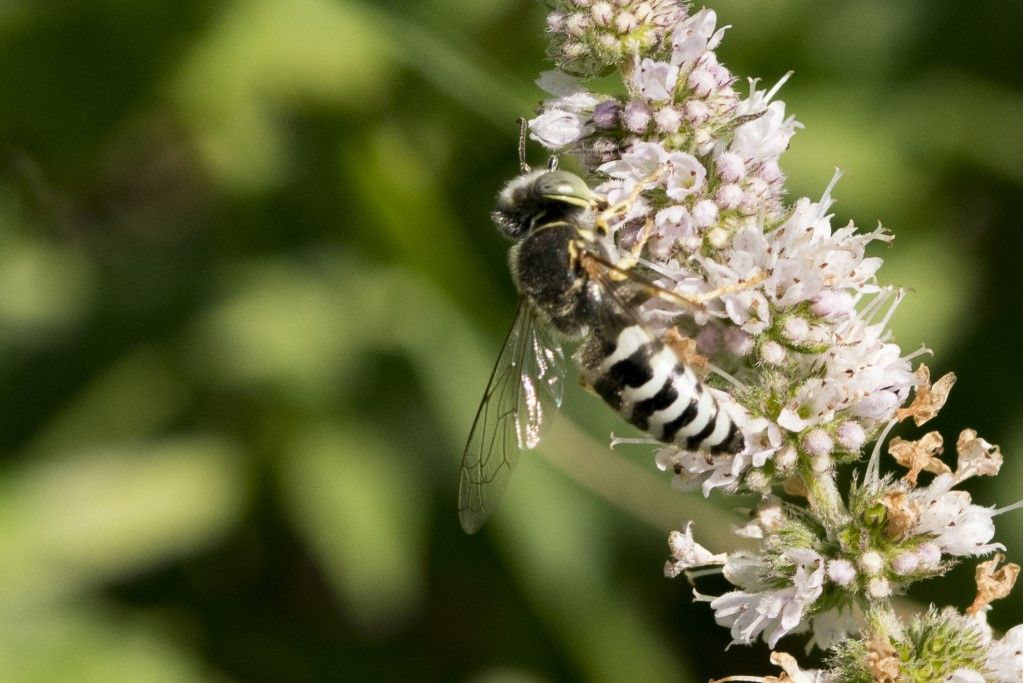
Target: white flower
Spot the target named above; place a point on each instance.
(797, 324)
(744, 569)
(672, 225)
(765, 137)
(767, 519)
(695, 470)
(956, 526)
(687, 553)
(772, 613)
(832, 303)
(832, 627)
(637, 163)
(1005, 658)
(565, 118)
(686, 175)
(556, 128)
(655, 81)
(569, 93)
(694, 37)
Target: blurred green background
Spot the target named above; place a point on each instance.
(250, 296)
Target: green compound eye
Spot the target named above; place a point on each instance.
(563, 186)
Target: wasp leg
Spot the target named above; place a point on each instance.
(641, 241)
(702, 298)
(621, 208)
(632, 259)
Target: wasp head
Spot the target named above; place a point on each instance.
(540, 197)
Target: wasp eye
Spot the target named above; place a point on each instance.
(563, 186)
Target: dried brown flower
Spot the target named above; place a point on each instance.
(993, 584)
(920, 455)
(928, 398)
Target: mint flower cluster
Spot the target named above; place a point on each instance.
(793, 342)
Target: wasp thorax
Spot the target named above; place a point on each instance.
(538, 198)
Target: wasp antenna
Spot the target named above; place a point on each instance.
(523, 166)
(552, 163)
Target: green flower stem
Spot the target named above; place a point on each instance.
(882, 621)
(823, 496)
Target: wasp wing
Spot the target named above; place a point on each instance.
(510, 416)
(622, 291)
(545, 363)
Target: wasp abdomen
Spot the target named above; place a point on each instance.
(643, 379)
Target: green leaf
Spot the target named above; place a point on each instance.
(87, 643)
(70, 523)
(360, 505)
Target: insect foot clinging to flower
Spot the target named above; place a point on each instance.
(790, 342)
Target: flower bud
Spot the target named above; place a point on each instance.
(905, 563)
(786, 458)
(770, 172)
(575, 25)
(772, 353)
(709, 340)
(730, 167)
(871, 562)
(696, 112)
(738, 341)
(636, 116)
(643, 11)
(879, 588)
(705, 213)
(841, 572)
(818, 443)
(877, 406)
(757, 480)
(625, 22)
(850, 436)
(702, 82)
(602, 12)
(667, 120)
(718, 238)
(929, 556)
(606, 114)
(795, 329)
(729, 196)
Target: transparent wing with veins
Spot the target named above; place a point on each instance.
(510, 417)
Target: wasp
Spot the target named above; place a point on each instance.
(571, 289)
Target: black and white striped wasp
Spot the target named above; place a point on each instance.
(571, 289)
